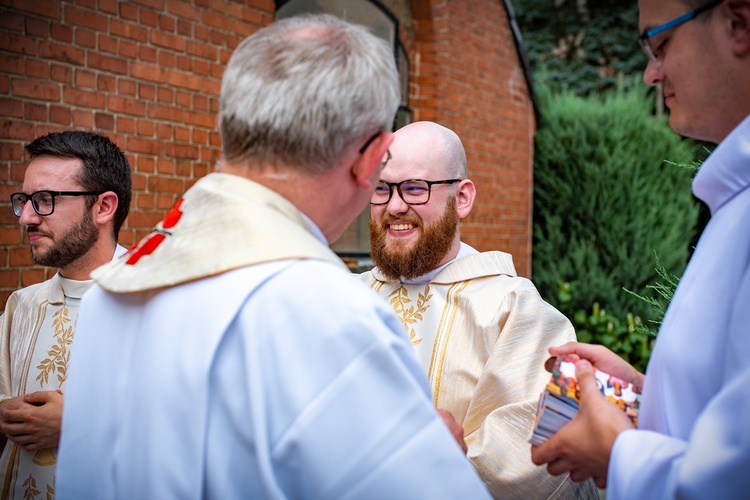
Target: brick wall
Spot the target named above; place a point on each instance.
(466, 75)
(146, 73)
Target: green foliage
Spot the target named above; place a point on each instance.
(664, 291)
(627, 337)
(581, 46)
(605, 200)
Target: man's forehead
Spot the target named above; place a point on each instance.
(652, 13)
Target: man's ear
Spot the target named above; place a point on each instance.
(105, 208)
(465, 196)
(739, 12)
(366, 170)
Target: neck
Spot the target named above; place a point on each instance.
(98, 255)
(312, 194)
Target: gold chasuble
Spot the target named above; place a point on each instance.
(38, 326)
(482, 333)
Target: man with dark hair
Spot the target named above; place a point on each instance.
(480, 330)
(240, 358)
(693, 438)
(75, 197)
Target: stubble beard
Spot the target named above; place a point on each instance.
(69, 246)
(394, 259)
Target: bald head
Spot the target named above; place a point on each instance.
(430, 151)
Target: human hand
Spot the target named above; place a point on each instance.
(455, 428)
(33, 420)
(602, 359)
(582, 447)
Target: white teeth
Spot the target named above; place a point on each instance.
(401, 227)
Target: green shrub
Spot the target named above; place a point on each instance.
(605, 200)
(626, 336)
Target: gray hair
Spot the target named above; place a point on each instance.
(306, 91)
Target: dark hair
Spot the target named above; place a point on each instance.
(105, 167)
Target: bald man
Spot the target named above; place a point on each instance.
(480, 331)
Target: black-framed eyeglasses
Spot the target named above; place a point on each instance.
(645, 39)
(412, 191)
(43, 202)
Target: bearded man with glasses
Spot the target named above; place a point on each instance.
(693, 438)
(75, 197)
(480, 331)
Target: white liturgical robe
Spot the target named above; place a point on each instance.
(38, 327)
(235, 357)
(482, 334)
(693, 436)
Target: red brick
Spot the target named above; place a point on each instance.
(128, 30)
(139, 145)
(165, 167)
(83, 98)
(62, 53)
(46, 8)
(125, 125)
(160, 39)
(184, 63)
(17, 43)
(167, 113)
(20, 256)
(128, 11)
(148, 17)
(106, 83)
(11, 152)
(85, 79)
(12, 64)
(107, 63)
(37, 27)
(11, 107)
(167, 23)
(104, 121)
(107, 44)
(147, 54)
(165, 185)
(85, 38)
(185, 29)
(127, 87)
(146, 91)
(84, 17)
(182, 134)
(37, 69)
(31, 276)
(166, 59)
(83, 119)
(125, 106)
(36, 112)
(10, 235)
(144, 127)
(184, 10)
(59, 114)
(21, 87)
(11, 21)
(128, 50)
(61, 33)
(63, 74)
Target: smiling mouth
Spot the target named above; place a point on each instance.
(401, 227)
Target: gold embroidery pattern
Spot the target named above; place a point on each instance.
(45, 457)
(408, 316)
(30, 485)
(59, 355)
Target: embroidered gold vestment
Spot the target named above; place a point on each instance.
(35, 344)
(482, 334)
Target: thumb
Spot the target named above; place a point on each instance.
(585, 378)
